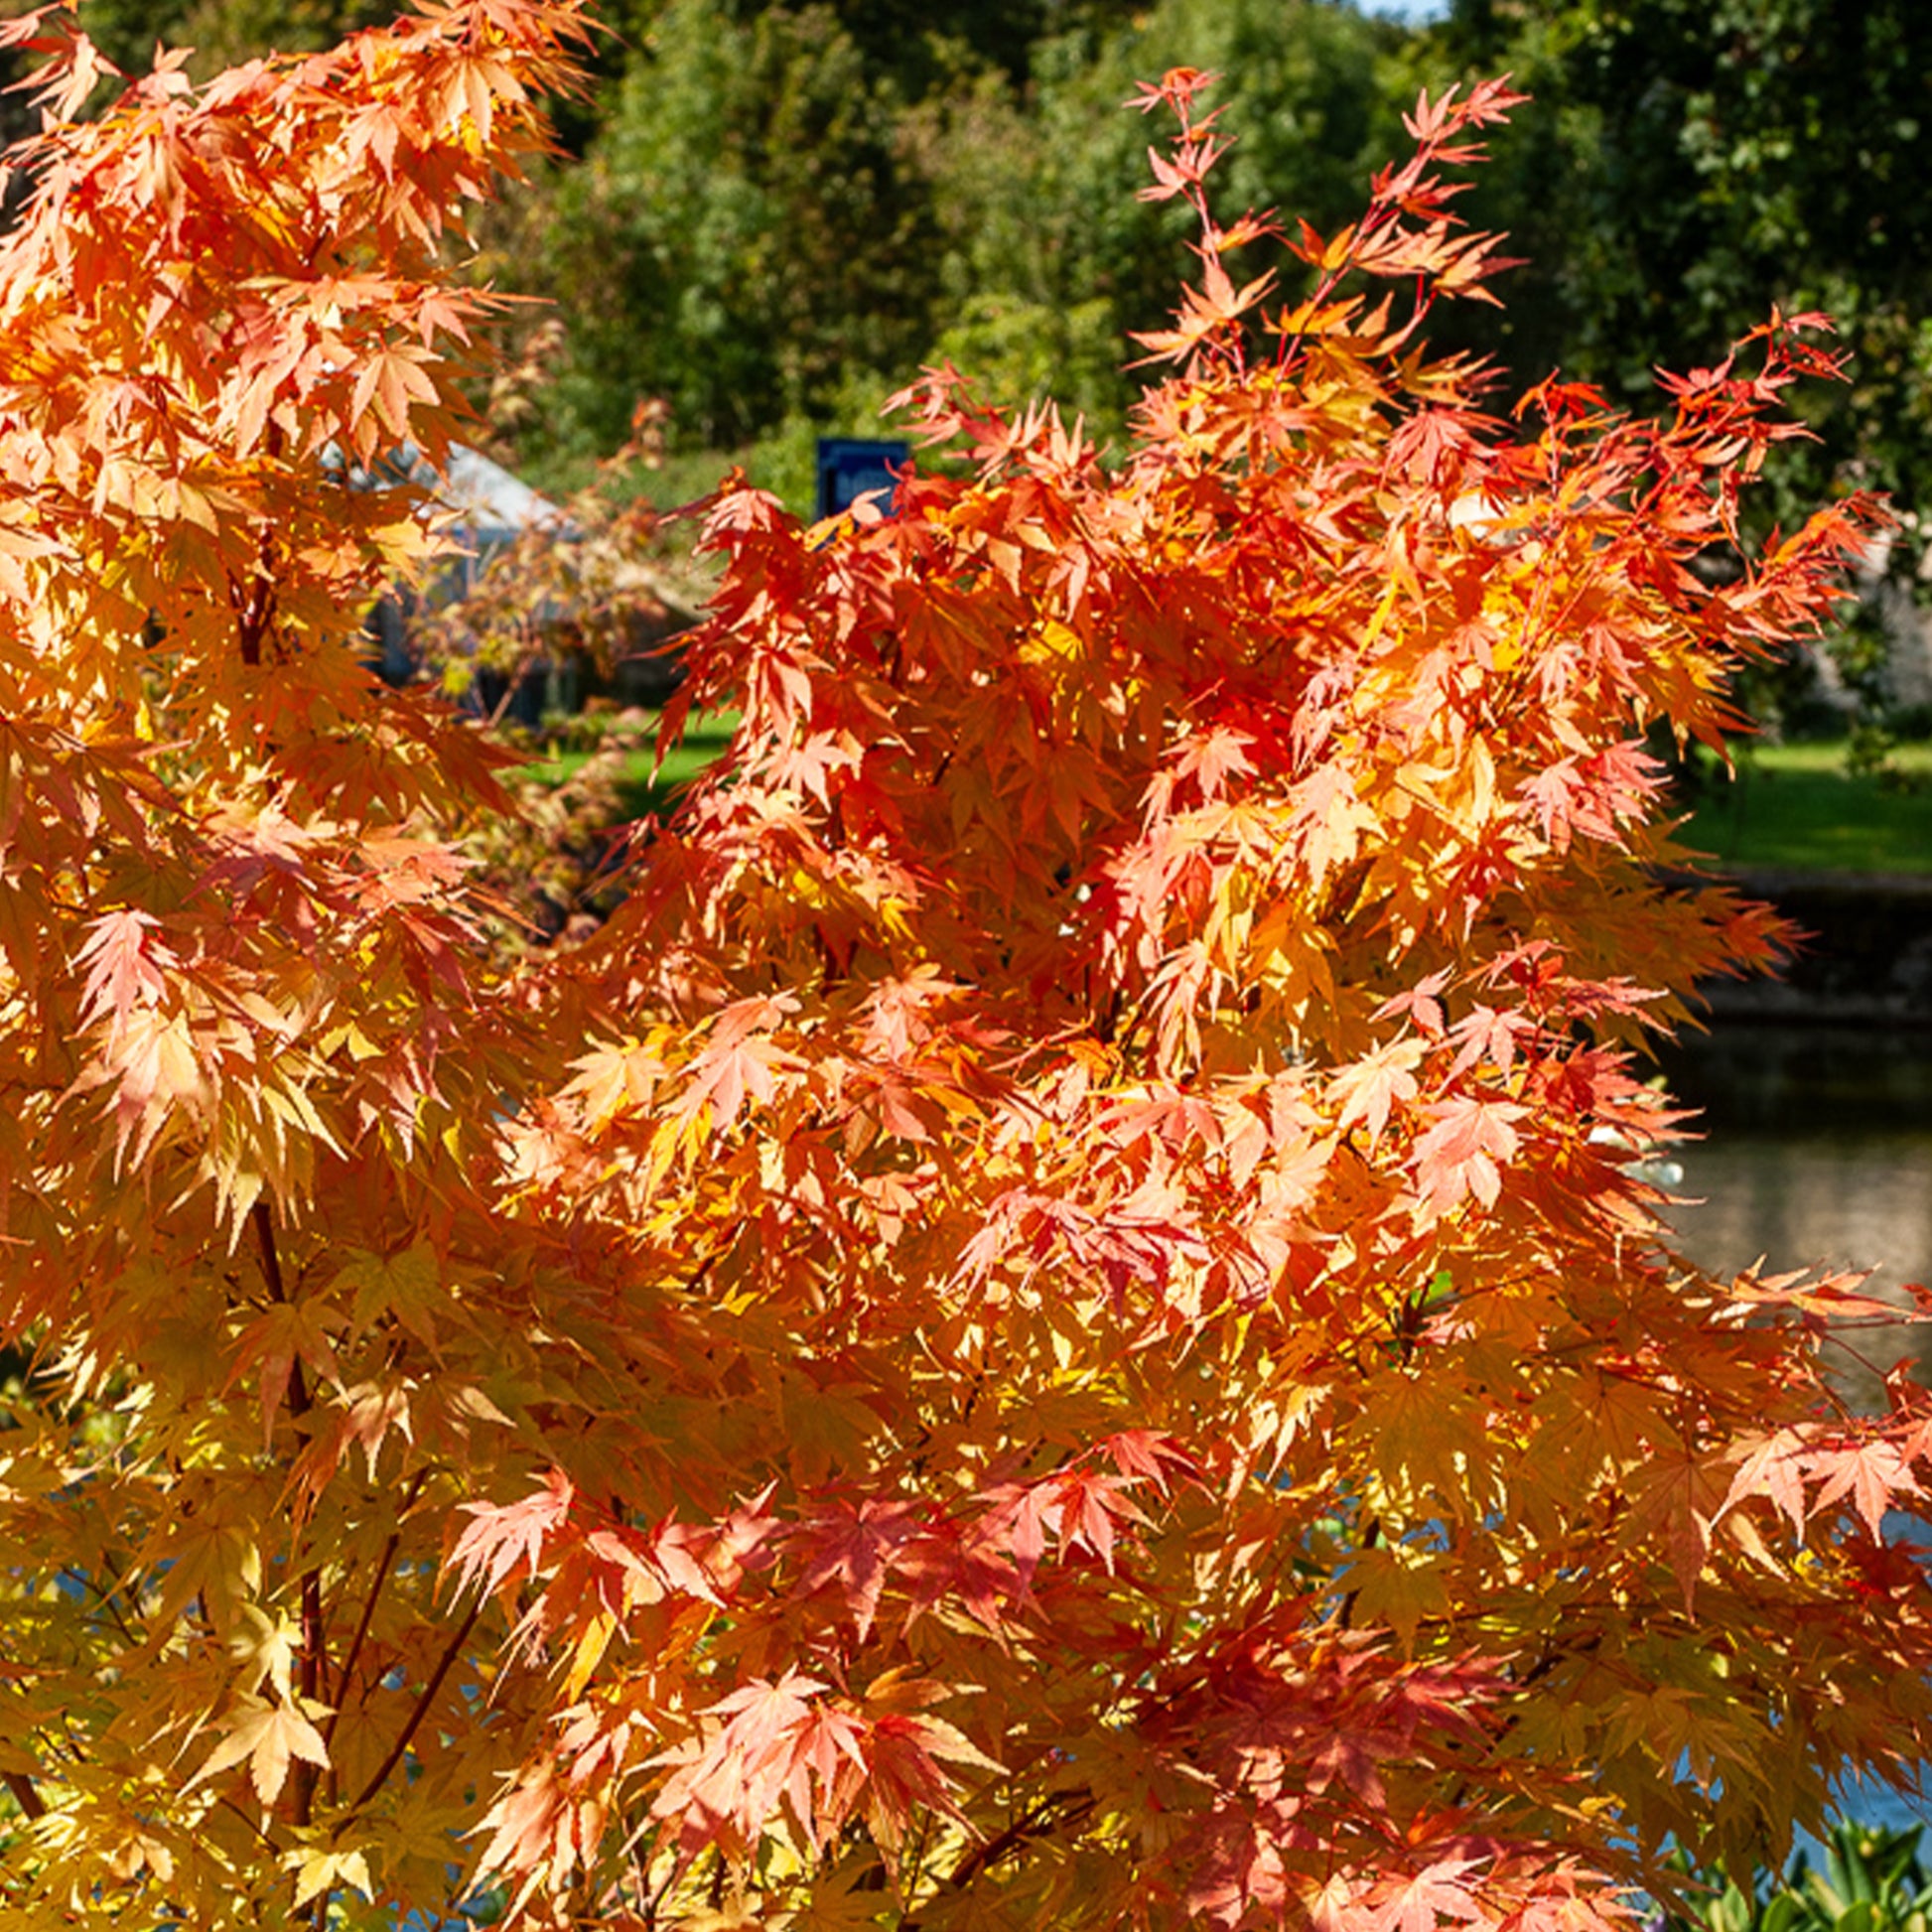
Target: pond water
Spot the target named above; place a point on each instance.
(1815, 1148)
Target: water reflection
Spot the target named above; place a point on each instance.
(1817, 1149)
(1813, 1200)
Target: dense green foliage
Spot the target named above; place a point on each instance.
(1867, 1879)
(783, 213)
(748, 228)
(1692, 161)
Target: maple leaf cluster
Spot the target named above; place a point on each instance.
(1057, 1321)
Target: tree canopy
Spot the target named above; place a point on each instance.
(1056, 1321)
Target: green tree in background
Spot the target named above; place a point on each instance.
(746, 231)
(1049, 266)
(1686, 161)
(786, 210)
(222, 31)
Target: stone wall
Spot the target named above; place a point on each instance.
(1865, 960)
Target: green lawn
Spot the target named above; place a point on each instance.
(705, 739)
(1790, 807)
(1795, 807)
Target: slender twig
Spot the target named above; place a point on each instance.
(382, 1575)
(107, 1601)
(254, 1825)
(1057, 1807)
(1371, 1536)
(314, 1630)
(912, 1865)
(26, 1793)
(654, 1900)
(421, 1711)
(254, 607)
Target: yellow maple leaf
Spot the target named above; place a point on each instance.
(268, 1735)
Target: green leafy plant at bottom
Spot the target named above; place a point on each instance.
(1871, 1878)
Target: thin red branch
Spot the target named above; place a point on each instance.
(423, 1702)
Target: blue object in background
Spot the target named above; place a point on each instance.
(849, 466)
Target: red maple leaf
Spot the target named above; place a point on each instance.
(125, 968)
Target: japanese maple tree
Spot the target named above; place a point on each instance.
(1056, 1324)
